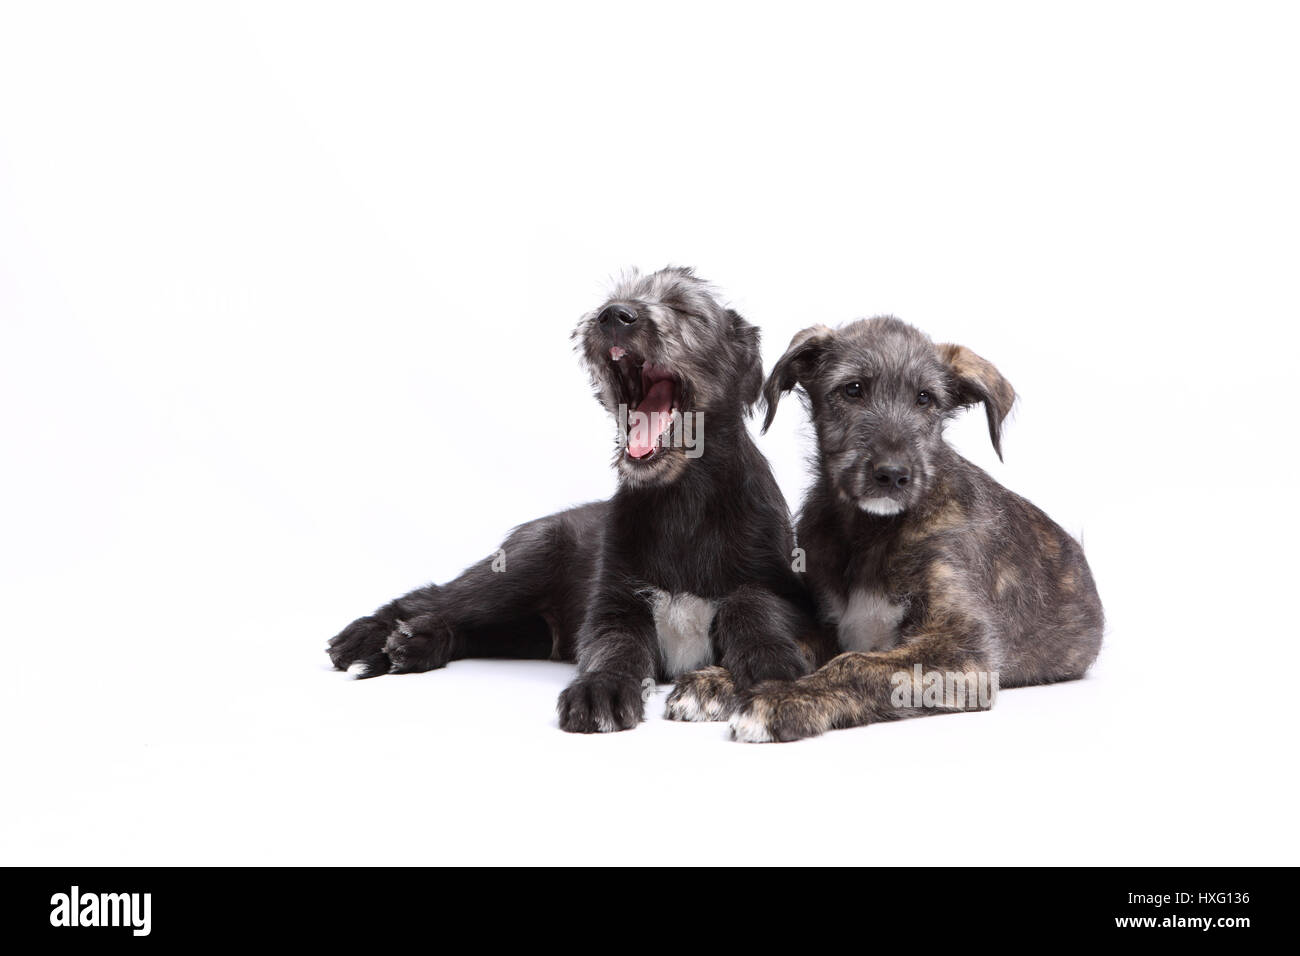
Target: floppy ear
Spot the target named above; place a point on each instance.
(976, 380)
(795, 367)
(749, 358)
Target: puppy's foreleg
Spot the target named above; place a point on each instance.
(706, 694)
(758, 636)
(933, 673)
(617, 654)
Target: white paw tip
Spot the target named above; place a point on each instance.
(689, 706)
(749, 729)
(677, 710)
(685, 708)
(359, 669)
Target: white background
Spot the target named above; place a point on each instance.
(285, 296)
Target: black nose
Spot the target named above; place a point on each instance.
(892, 476)
(621, 313)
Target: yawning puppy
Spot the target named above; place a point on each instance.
(687, 565)
(939, 583)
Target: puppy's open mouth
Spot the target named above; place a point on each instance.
(653, 396)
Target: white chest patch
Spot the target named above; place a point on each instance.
(869, 622)
(682, 622)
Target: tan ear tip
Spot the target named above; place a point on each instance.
(812, 332)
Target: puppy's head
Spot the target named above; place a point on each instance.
(667, 360)
(880, 392)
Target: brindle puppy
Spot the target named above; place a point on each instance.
(940, 584)
(687, 565)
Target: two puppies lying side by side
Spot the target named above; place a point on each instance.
(918, 563)
(938, 583)
(687, 565)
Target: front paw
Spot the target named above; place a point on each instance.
(706, 694)
(781, 712)
(778, 661)
(598, 703)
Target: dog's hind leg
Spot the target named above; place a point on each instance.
(525, 600)
(359, 647)
(933, 673)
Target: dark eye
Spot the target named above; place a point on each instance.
(853, 390)
(923, 398)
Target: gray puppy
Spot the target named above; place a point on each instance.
(940, 584)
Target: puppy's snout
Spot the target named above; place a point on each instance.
(891, 476)
(616, 316)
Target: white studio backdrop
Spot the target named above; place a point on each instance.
(285, 301)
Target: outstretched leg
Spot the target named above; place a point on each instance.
(932, 674)
(534, 584)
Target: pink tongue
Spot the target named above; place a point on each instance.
(657, 406)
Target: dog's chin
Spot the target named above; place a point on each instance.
(662, 467)
(882, 506)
